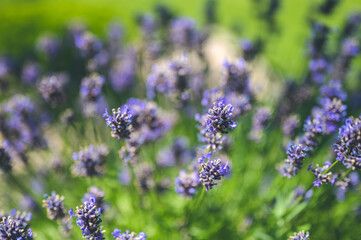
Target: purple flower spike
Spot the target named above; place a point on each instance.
(219, 118)
(212, 171)
(120, 123)
(88, 219)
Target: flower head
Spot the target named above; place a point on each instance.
(54, 206)
(97, 194)
(120, 123)
(186, 183)
(90, 161)
(52, 88)
(212, 171)
(219, 118)
(322, 175)
(88, 219)
(348, 145)
(16, 226)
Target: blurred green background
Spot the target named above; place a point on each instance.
(21, 22)
(255, 195)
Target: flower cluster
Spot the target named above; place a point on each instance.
(184, 34)
(295, 155)
(148, 121)
(54, 206)
(219, 118)
(127, 235)
(120, 123)
(88, 219)
(90, 93)
(89, 161)
(322, 174)
(52, 88)
(186, 183)
(16, 226)
(144, 177)
(300, 236)
(19, 125)
(237, 77)
(348, 145)
(212, 171)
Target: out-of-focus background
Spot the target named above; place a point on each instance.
(23, 21)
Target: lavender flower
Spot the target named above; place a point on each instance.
(87, 44)
(322, 175)
(260, 120)
(90, 93)
(90, 88)
(120, 123)
(212, 171)
(160, 80)
(129, 152)
(350, 47)
(183, 33)
(211, 141)
(212, 95)
(350, 182)
(300, 236)
(289, 125)
(16, 226)
(348, 146)
(88, 219)
(333, 90)
(334, 112)
(148, 121)
(148, 26)
(313, 128)
(127, 235)
(318, 68)
(54, 206)
(186, 183)
(296, 153)
(236, 77)
(219, 118)
(97, 194)
(144, 175)
(30, 73)
(90, 161)
(52, 88)
(19, 126)
(99, 61)
(5, 160)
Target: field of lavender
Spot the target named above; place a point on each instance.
(180, 120)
